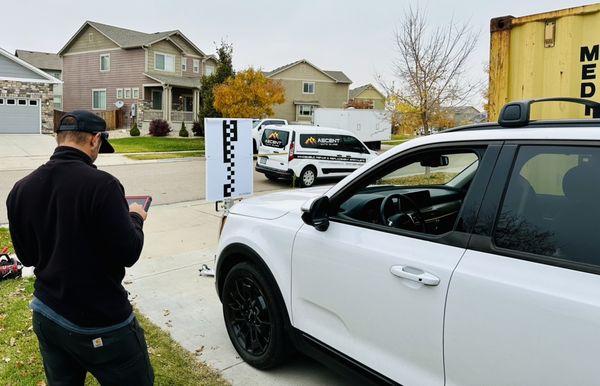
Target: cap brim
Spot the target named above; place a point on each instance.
(106, 147)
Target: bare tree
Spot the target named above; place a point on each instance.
(430, 65)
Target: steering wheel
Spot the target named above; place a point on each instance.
(395, 220)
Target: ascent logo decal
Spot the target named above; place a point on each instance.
(310, 141)
(274, 136)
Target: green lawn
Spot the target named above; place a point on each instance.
(5, 239)
(21, 364)
(398, 139)
(164, 155)
(156, 144)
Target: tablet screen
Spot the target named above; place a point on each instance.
(144, 201)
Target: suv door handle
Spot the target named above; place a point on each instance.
(415, 274)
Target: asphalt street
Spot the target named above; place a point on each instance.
(168, 181)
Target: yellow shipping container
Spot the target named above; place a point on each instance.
(546, 55)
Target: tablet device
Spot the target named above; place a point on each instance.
(144, 201)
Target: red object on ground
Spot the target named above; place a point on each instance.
(9, 267)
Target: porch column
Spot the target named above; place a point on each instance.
(165, 103)
(195, 103)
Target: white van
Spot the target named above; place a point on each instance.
(257, 129)
(309, 152)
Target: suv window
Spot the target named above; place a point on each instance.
(550, 206)
(275, 138)
(423, 192)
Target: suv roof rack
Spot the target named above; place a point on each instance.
(517, 114)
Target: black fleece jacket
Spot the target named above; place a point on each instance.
(72, 223)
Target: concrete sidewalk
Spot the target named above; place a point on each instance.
(166, 286)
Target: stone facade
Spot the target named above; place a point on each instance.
(41, 91)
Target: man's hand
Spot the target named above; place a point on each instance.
(137, 208)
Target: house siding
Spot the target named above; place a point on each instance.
(188, 49)
(370, 94)
(327, 92)
(164, 47)
(11, 69)
(81, 74)
(83, 42)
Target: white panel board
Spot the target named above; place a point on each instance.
(229, 162)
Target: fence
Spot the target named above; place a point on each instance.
(114, 119)
(178, 116)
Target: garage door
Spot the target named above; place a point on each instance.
(19, 116)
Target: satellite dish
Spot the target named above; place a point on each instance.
(119, 104)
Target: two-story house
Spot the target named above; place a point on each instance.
(307, 87)
(153, 75)
(49, 63)
(368, 93)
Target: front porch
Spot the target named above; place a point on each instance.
(174, 100)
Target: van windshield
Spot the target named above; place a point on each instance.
(275, 138)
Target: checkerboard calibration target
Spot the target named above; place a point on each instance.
(229, 140)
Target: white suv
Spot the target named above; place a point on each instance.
(470, 257)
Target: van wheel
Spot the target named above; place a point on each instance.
(254, 317)
(308, 176)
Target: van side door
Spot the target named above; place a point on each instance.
(523, 305)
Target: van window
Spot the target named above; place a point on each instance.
(550, 207)
(352, 144)
(321, 141)
(275, 138)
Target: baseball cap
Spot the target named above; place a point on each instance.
(81, 120)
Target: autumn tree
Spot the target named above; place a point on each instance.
(248, 94)
(222, 72)
(430, 66)
(359, 104)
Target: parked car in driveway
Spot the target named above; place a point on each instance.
(309, 152)
(470, 257)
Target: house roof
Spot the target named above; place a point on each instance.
(176, 81)
(128, 38)
(337, 76)
(41, 60)
(47, 78)
(353, 93)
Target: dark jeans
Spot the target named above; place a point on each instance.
(122, 358)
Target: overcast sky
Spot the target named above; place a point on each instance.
(354, 36)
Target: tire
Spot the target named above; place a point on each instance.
(272, 177)
(255, 317)
(308, 177)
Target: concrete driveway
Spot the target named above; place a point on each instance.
(26, 145)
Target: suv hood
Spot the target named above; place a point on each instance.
(274, 205)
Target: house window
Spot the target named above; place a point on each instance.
(33, 102)
(196, 66)
(156, 100)
(135, 93)
(308, 87)
(209, 70)
(183, 63)
(99, 99)
(1, 101)
(306, 110)
(105, 62)
(10, 102)
(57, 102)
(164, 62)
(22, 102)
(119, 93)
(127, 92)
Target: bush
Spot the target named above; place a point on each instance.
(134, 132)
(198, 129)
(159, 128)
(183, 131)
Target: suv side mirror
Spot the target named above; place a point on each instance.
(315, 212)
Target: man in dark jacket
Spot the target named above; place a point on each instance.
(72, 223)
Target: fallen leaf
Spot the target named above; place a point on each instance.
(127, 282)
(12, 342)
(6, 359)
(166, 312)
